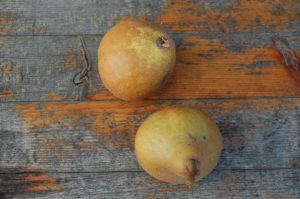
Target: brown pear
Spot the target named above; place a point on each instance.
(135, 58)
(178, 145)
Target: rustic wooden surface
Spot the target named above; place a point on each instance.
(59, 140)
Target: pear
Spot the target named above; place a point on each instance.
(135, 58)
(179, 145)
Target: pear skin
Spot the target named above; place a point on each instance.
(179, 145)
(135, 58)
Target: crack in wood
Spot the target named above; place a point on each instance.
(82, 76)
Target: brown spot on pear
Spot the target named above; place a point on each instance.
(170, 145)
(135, 58)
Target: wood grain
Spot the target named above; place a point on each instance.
(231, 16)
(218, 65)
(69, 17)
(99, 136)
(76, 17)
(266, 184)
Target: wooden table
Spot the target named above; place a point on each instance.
(59, 140)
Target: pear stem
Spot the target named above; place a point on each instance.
(192, 171)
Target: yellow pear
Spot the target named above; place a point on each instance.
(135, 58)
(179, 145)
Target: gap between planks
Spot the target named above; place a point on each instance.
(157, 99)
(138, 171)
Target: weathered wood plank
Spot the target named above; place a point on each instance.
(73, 17)
(99, 136)
(266, 184)
(231, 16)
(41, 68)
(69, 17)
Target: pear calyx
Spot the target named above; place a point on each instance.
(163, 42)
